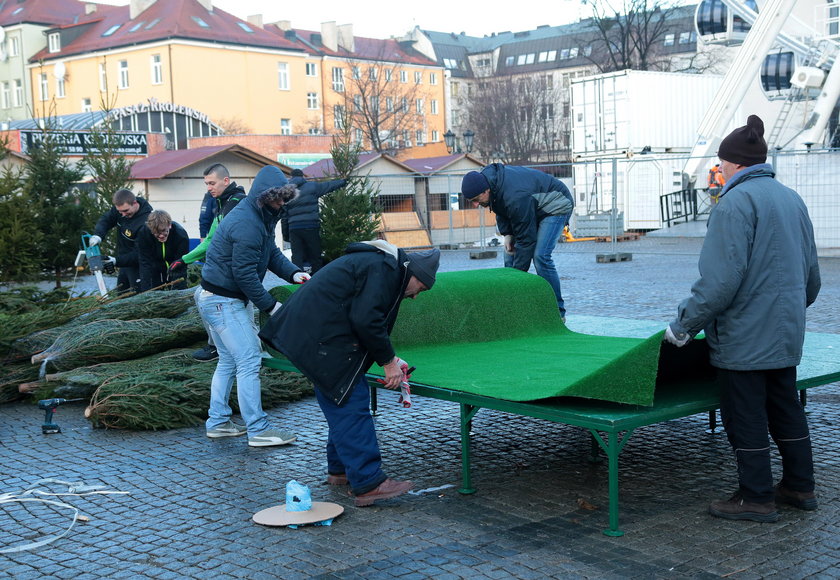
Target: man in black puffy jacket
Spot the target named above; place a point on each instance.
(303, 219)
(333, 329)
(159, 245)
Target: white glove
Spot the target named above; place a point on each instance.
(300, 277)
(277, 307)
(677, 340)
(93, 240)
(508, 244)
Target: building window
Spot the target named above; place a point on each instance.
(43, 86)
(403, 76)
(123, 68)
(311, 100)
(435, 136)
(389, 104)
(434, 107)
(285, 126)
(418, 105)
(419, 137)
(17, 95)
(669, 40)
(283, 76)
(374, 103)
(686, 37)
(388, 74)
(432, 78)
(14, 46)
(373, 74)
(54, 42)
(111, 30)
(338, 116)
(200, 22)
(418, 77)
(359, 137)
(86, 108)
(338, 79)
(157, 70)
(356, 73)
(405, 104)
(311, 69)
(103, 78)
(59, 88)
(456, 89)
(357, 102)
(6, 95)
(245, 27)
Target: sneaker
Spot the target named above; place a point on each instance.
(386, 490)
(804, 500)
(271, 437)
(336, 479)
(206, 354)
(229, 429)
(736, 508)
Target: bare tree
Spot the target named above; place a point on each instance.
(234, 126)
(381, 101)
(518, 120)
(631, 34)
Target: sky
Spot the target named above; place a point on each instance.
(384, 20)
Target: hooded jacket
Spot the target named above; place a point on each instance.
(758, 274)
(334, 327)
(521, 198)
(243, 247)
(128, 228)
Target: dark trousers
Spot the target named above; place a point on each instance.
(352, 447)
(753, 402)
(306, 247)
(128, 278)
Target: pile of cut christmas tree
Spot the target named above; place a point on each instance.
(131, 357)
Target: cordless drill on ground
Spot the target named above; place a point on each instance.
(49, 406)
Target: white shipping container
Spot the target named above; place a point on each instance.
(629, 110)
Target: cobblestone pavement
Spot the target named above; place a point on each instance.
(191, 498)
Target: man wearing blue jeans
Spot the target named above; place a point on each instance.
(243, 249)
(532, 208)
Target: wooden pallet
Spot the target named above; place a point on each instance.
(625, 237)
(620, 257)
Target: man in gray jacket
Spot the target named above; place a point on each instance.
(758, 274)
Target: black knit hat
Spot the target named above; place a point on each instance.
(424, 265)
(745, 145)
(297, 173)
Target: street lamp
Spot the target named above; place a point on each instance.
(451, 141)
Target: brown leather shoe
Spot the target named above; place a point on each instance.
(336, 479)
(737, 508)
(386, 490)
(804, 500)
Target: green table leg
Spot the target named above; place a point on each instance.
(612, 447)
(467, 413)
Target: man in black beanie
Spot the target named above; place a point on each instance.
(758, 274)
(333, 329)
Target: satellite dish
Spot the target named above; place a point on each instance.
(2, 34)
(60, 70)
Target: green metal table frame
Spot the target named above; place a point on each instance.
(610, 424)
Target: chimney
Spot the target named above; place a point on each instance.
(256, 20)
(90, 8)
(283, 24)
(208, 5)
(329, 35)
(345, 38)
(137, 7)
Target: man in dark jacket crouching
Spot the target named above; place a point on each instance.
(333, 329)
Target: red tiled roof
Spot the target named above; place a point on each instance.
(432, 164)
(166, 163)
(47, 12)
(387, 50)
(167, 19)
(326, 167)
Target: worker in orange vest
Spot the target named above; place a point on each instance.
(716, 182)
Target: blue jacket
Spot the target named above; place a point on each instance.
(243, 247)
(303, 212)
(521, 198)
(758, 274)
